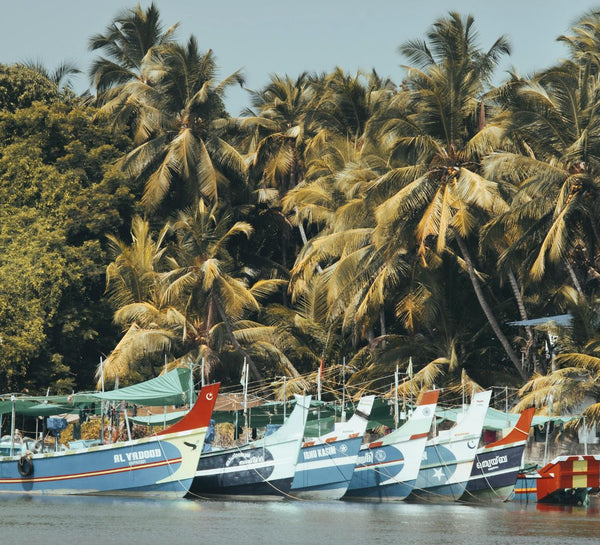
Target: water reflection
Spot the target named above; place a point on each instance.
(107, 521)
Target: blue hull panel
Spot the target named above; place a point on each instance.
(376, 476)
(115, 470)
(326, 466)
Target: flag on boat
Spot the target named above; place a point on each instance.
(243, 378)
(319, 378)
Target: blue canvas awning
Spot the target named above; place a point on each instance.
(498, 420)
(563, 320)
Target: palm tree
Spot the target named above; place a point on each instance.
(347, 104)
(440, 130)
(127, 42)
(332, 200)
(573, 384)
(553, 121)
(279, 131)
(584, 41)
(179, 153)
(134, 287)
(212, 290)
(60, 76)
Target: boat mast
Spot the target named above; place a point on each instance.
(410, 377)
(550, 399)
(102, 401)
(284, 398)
(165, 407)
(246, 399)
(13, 417)
(396, 422)
(192, 382)
(344, 389)
(202, 382)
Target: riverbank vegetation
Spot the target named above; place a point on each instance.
(342, 218)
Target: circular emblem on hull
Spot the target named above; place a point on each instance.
(380, 455)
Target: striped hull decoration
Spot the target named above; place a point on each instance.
(494, 473)
(324, 470)
(386, 472)
(445, 470)
(262, 468)
(139, 469)
(237, 471)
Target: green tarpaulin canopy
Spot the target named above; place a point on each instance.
(158, 419)
(498, 420)
(171, 388)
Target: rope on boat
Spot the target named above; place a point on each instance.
(490, 487)
(187, 490)
(283, 493)
(426, 494)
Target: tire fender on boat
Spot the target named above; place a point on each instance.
(25, 464)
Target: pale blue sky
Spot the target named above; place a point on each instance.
(263, 37)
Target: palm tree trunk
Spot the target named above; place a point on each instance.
(522, 312)
(382, 325)
(573, 276)
(253, 369)
(487, 310)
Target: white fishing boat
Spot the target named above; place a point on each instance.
(448, 457)
(326, 463)
(387, 469)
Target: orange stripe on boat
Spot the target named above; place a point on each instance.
(92, 473)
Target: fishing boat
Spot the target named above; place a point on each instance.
(161, 465)
(326, 463)
(387, 469)
(566, 480)
(497, 465)
(448, 457)
(260, 469)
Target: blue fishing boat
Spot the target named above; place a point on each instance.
(261, 469)
(326, 463)
(387, 469)
(448, 457)
(160, 465)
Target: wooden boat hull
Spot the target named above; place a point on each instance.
(448, 459)
(324, 469)
(566, 480)
(494, 474)
(262, 469)
(326, 464)
(497, 465)
(160, 465)
(386, 470)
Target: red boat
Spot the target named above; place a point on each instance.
(566, 480)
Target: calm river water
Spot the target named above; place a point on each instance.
(107, 521)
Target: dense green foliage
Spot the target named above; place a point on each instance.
(341, 217)
(59, 198)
